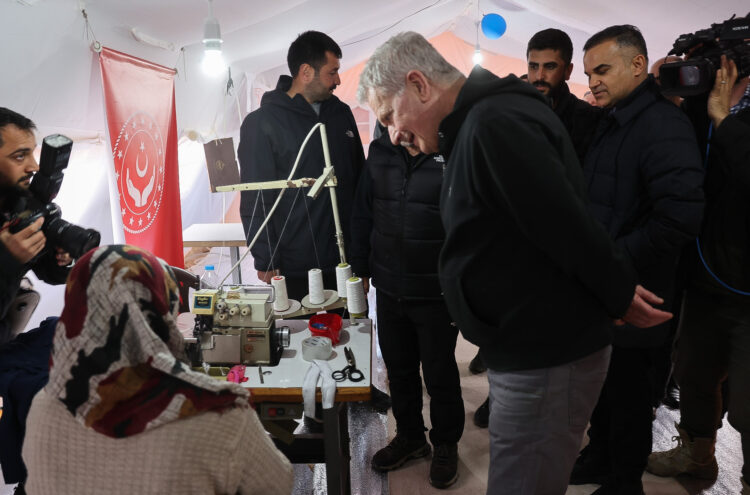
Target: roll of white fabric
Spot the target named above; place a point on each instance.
(343, 273)
(281, 301)
(316, 347)
(315, 286)
(356, 300)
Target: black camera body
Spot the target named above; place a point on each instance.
(696, 75)
(44, 188)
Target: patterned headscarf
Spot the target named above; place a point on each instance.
(116, 362)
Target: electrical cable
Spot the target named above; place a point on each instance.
(392, 25)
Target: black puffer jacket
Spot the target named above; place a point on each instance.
(270, 138)
(396, 229)
(644, 178)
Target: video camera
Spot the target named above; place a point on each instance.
(44, 188)
(696, 75)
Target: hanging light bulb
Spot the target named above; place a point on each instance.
(213, 61)
(477, 58)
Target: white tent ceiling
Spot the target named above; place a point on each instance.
(50, 73)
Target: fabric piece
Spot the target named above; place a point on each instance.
(115, 363)
(318, 369)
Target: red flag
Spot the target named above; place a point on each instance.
(139, 97)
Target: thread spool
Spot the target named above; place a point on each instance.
(343, 273)
(355, 294)
(316, 347)
(315, 286)
(281, 300)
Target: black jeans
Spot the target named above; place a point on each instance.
(411, 332)
(713, 346)
(621, 422)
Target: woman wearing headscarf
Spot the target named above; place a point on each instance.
(122, 413)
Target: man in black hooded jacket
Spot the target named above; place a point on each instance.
(301, 233)
(526, 272)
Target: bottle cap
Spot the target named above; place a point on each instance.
(209, 267)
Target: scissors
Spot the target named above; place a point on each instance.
(350, 371)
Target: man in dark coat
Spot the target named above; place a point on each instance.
(714, 344)
(301, 234)
(526, 272)
(549, 54)
(644, 179)
(396, 239)
(24, 360)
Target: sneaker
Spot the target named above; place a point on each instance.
(590, 468)
(671, 398)
(400, 450)
(476, 365)
(482, 414)
(20, 490)
(444, 467)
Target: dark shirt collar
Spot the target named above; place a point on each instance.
(641, 97)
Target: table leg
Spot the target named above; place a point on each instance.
(336, 447)
(234, 257)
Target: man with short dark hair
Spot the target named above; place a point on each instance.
(24, 360)
(549, 54)
(513, 207)
(644, 178)
(301, 235)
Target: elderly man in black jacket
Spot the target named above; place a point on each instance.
(270, 138)
(526, 272)
(644, 178)
(396, 240)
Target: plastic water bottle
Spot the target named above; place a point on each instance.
(209, 279)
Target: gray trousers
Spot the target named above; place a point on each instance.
(537, 421)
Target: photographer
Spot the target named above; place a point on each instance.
(714, 335)
(24, 360)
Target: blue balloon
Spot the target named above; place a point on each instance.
(493, 26)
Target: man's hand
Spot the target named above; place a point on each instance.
(267, 276)
(27, 243)
(641, 313)
(63, 257)
(366, 284)
(718, 99)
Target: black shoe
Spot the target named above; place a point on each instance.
(476, 365)
(444, 467)
(379, 400)
(671, 399)
(482, 414)
(400, 450)
(590, 468)
(20, 490)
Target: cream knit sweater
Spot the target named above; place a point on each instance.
(210, 453)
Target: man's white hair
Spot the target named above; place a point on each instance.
(385, 71)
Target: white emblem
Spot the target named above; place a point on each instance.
(139, 168)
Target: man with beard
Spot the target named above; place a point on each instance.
(24, 360)
(549, 54)
(270, 139)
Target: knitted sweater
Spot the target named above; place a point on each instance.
(208, 453)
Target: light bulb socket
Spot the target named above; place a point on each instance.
(212, 33)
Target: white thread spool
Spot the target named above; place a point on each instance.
(281, 301)
(315, 286)
(343, 273)
(355, 294)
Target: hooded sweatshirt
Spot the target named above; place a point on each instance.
(301, 233)
(527, 273)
